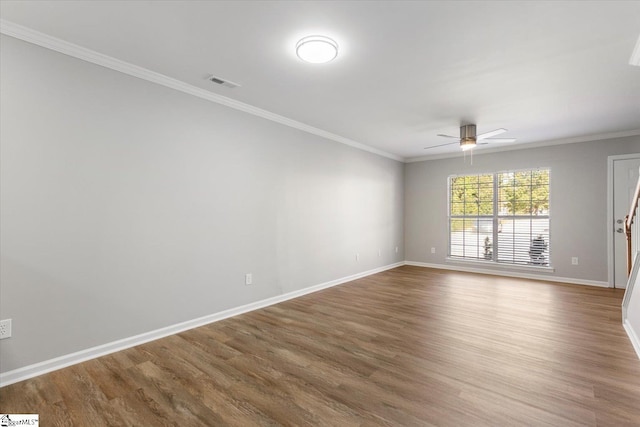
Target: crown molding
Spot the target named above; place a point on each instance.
(35, 37)
(577, 139)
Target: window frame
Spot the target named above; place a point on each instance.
(496, 218)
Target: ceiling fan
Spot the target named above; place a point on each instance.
(468, 138)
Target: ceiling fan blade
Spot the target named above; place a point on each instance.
(500, 140)
(490, 134)
(448, 136)
(441, 145)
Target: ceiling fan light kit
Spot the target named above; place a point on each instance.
(467, 144)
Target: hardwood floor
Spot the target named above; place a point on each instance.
(407, 347)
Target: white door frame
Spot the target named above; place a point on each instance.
(610, 219)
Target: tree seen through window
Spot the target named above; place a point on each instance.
(501, 217)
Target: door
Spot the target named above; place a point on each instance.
(625, 178)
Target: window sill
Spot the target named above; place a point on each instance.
(501, 266)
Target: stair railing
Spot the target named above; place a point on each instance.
(628, 228)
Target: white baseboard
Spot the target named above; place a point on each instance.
(46, 366)
(517, 274)
(632, 336)
(64, 361)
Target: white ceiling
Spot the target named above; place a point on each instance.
(406, 71)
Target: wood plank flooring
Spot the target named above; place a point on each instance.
(407, 347)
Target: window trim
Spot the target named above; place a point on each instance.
(495, 216)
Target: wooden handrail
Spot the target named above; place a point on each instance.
(628, 222)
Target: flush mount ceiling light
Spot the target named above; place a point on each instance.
(317, 49)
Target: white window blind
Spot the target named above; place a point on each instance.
(500, 217)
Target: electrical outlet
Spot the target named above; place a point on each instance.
(248, 279)
(379, 252)
(357, 257)
(396, 249)
(574, 260)
(433, 250)
(5, 329)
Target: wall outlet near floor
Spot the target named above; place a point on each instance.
(248, 279)
(357, 257)
(5, 329)
(396, 249)
(574, 260)
(433, 250)
(379, 252)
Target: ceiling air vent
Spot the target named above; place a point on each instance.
(223, 82)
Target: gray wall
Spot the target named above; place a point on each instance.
(578, 202)
(127, 207)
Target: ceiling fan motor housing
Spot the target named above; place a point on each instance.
(467, 136)
(468, 133)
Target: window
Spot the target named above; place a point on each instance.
(500, 217)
